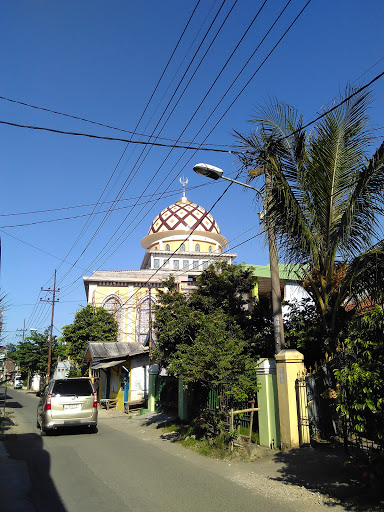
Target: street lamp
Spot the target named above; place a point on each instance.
(215, 173)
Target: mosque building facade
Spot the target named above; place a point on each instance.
(182, 241)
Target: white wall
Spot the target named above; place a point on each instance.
(35, 383)
(293, 292)
(139, 377)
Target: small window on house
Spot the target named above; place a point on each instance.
(185, 264)
(182, 247)
(176, 264)
(192, 279)
(197, 247)
(155, 249)
(195, 265)
(205, 265)
(167, 247)
(166, 263)
(210, 248)
(156, 263)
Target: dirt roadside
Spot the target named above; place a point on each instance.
(318, 478)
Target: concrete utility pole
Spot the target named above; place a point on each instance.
(213, 172)
(22, 330)
(150, 324)
(53, 300)
(278, 326)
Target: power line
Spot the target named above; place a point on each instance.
(104, 125)
(103, 137)
(78, 216)
(41, 250)
(130, 176)
(263, 62)
(170, 192)
(335, 107)
(123, 153)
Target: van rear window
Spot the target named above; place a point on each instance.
(72, 387)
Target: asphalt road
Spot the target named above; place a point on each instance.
(75, 471)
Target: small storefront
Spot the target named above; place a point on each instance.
(120, 372)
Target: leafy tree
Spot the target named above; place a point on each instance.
(90, 325)
(361, 376)
(31, 355)
(323, 200)
(208, 337)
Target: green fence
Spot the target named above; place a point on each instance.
(219, 400)
(166, 393)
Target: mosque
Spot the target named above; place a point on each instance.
(182, 241)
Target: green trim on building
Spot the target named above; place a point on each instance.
(287, 272)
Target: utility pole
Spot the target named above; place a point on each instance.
(278, 326)
(52, 300)
(150, 324)
(22, 330)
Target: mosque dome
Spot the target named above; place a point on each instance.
(180, 219)
(186, 216)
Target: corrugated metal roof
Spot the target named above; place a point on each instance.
(114, 350)
(107, 364)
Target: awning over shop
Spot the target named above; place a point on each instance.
(107, 364)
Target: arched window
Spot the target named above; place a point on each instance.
(182, 247)
(210, 248)
(144, 311)
(167, 247)
(197, 247)
(114, 305)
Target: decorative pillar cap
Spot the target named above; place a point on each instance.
(266, 366)
(289, 355)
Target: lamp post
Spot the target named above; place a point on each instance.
(215, 173)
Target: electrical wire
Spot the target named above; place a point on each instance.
(104, 137)
(334, 107)
(131, 175)
(275, 46)
(126, 147)
(149, 101)
(171, 193)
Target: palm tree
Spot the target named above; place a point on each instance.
(324, 202)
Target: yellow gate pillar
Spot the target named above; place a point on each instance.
(289, 365)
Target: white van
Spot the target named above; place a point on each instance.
(18, 382)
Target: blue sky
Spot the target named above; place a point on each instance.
(101, 61)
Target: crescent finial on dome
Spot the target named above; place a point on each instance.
(184, 181)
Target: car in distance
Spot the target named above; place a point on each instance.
(18, 383)
(67, 403)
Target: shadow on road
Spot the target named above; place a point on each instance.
(5, 423)
(329, 472)
(29, 448)
(159, 419)
(11, 402)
